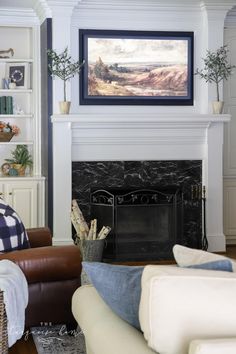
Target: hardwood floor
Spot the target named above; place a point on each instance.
(28, 347)
(24, 347)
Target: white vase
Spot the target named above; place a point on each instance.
(64, 107)
(12, 85)
(217, 107)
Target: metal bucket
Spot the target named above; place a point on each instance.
(91, 250)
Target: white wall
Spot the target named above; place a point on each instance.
(125, 17)
(204, 17)
(229, 137)
(205, 21)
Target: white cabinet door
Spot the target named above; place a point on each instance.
(22, 196)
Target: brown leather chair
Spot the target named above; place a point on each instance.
(53, 274)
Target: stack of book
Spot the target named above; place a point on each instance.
(6, 105)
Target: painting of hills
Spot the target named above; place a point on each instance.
(137, 67)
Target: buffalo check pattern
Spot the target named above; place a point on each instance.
(13, 235)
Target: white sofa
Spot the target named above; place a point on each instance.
(181, 311)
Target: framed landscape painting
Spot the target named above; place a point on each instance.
(136, 67)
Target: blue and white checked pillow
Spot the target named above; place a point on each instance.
(13, 235)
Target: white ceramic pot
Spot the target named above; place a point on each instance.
(64, 107)
(217, 107)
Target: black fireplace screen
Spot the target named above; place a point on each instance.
(145, 223)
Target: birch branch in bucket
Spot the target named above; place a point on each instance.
(83, 232)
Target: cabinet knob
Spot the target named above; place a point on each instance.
(10, 193)
(1, 193)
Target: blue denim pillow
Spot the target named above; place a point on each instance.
(119, 286)
(223, 265)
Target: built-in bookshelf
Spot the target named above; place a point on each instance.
(20, 106)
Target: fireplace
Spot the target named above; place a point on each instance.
(148, 204)
(144, 135)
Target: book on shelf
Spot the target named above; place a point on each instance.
(6, 105)
(9, 105)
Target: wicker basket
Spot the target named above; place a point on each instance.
(3, 327)
(6, 136)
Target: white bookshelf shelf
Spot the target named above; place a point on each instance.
(15, 60)
(17, 143)
(16, 91)
(6, 116)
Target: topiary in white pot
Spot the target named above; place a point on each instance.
(62, 66)
(216, 69)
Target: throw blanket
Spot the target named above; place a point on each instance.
(15, 287)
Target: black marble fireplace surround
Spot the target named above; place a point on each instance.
(125, 176)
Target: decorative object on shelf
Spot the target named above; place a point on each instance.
(12, 85)
(17, 109)
(5, 168)
(4, 52)
(5, 137)
(216, 69)
(8, 171)
(7, 131)
(62, 66)
(6, 83)
(13, 172)
(21, 159)
(19, 73)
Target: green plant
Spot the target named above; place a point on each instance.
(217, 67)
(61, 65)
(21, 156)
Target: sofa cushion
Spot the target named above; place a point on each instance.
(13, 235)
(186, 256)
(213, 346)
(119, 286)
(180, 304)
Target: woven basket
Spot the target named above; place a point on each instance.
(3, 327)
(6, 136)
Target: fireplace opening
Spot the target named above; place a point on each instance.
(122, 177)
(145, 223)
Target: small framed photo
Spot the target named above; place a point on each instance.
(19, 73)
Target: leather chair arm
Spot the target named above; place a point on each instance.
(39, 237)
(46, 264)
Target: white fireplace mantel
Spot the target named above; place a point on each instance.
(100, 137)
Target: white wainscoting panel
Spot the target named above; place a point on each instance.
(230, 210)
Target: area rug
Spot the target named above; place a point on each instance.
(56, 340)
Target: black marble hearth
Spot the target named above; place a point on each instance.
(131, 175)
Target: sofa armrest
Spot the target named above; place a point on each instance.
(39, 237)
(104, 331)
(46, 264)
(213, 346)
